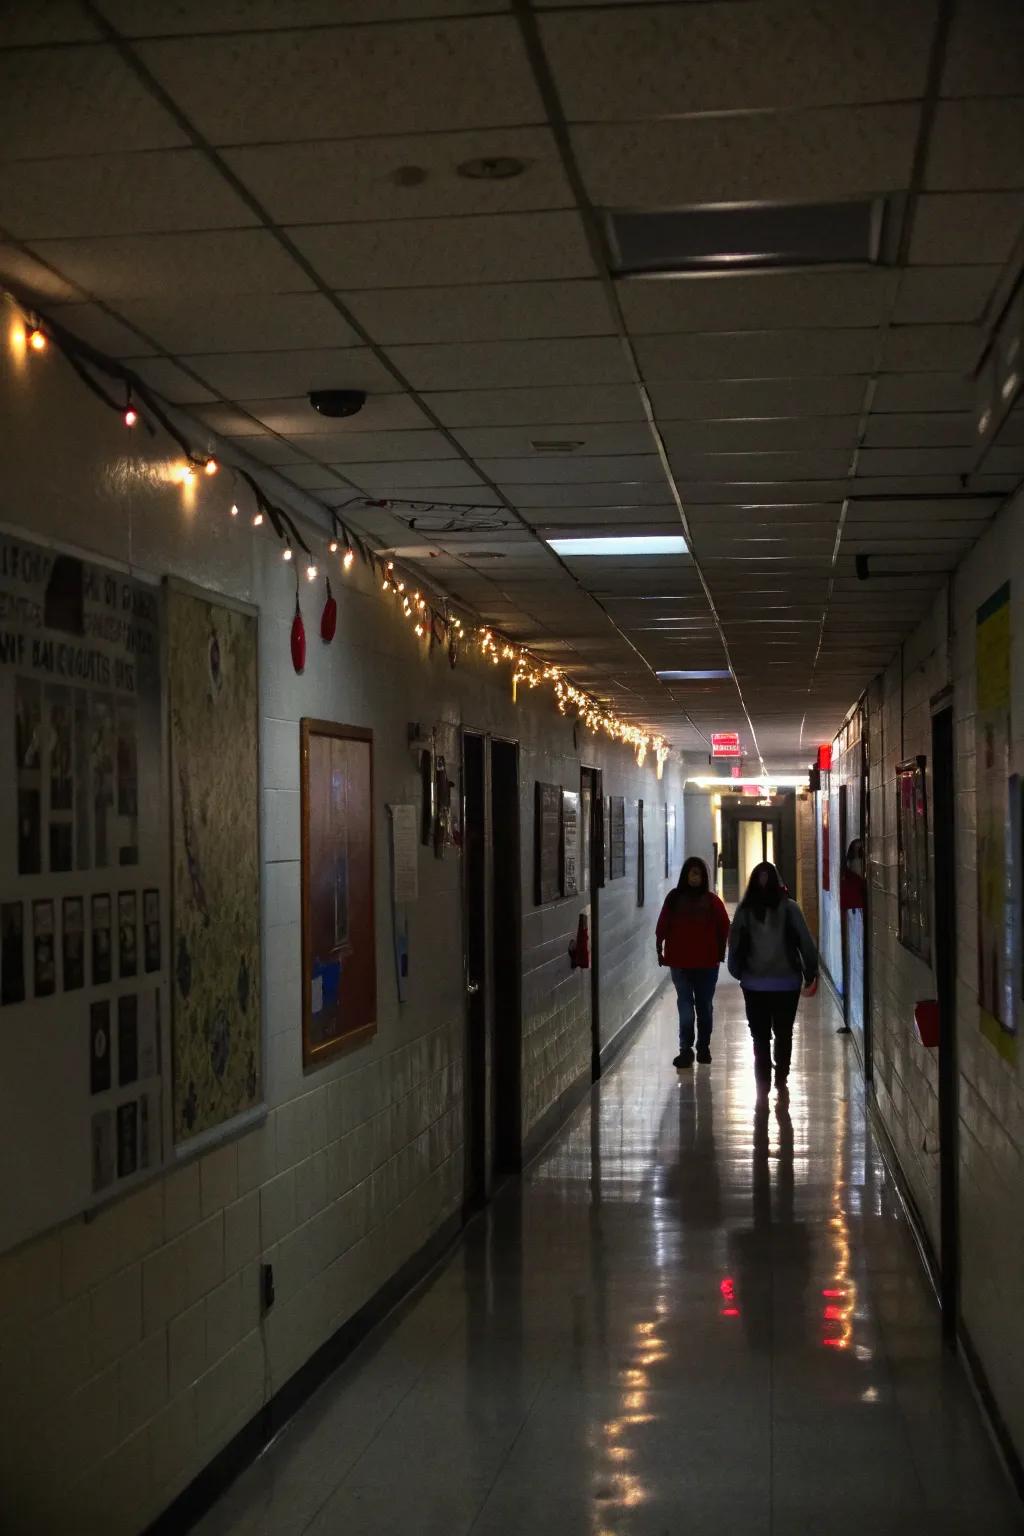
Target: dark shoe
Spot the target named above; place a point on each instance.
(704, 1055)
(684, 1059)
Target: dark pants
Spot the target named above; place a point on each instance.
(768, 1014)
(695, 991)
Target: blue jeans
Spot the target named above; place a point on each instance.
(695, 993)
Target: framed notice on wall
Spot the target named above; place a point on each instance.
(616, 837)
(912, 835)
(996, 807)
(339, 956)
(83, 893)
(547, 843)
(641, 856)
(570, 842)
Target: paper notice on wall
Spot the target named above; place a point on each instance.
(404, 848)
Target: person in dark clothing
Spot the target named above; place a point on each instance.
(852, 885)
(691, 936)
(771, 954)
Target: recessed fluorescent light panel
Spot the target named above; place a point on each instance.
(723, 238)
(654, 544)
(710, 676)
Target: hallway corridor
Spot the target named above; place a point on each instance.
(694, 1315)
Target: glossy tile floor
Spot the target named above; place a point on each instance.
(696, 1314)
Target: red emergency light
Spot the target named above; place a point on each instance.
(825, 759)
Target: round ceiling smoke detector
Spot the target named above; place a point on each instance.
(491, 168)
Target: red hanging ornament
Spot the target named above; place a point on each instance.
(329, 617)
(298, 638)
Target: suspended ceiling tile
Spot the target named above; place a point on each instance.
(583, 360)
(577, 521)
(386, 447)
(609, 495)
(927, 348)
(119, 194)
(249, 375)
(569, 404)
(655, 61)
(484, 312)
(985, 50)
(1008, 459)
(296, 418)
(915, 461)
(413, 253)
(268, 449)
(31, 278)
(552, 469)
(163, 375)
(229, 421)
(314, 477)
(221, 262)
(787, 156)
(138, 18)
(937, 294)
(824, 465)
(347, 82)
(923, 392)
(912, 486)
(965, 228)
(765, 434)
(925, 509)
(976, 145)
(941, 429)
(100, 329)
(453, 491)
(762, 493)
(269, 321)
(765, 300)
(59, 21)
(681, 398)
(427, 475)
(509, 442)
(98, 96)
(332, 181)
(756, 354)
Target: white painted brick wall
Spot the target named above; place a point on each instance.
(132, 1345)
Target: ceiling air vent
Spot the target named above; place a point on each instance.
(725, 237)
(556, 445)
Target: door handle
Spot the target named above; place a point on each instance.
(472, 988)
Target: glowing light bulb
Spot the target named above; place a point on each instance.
(333, 546)
(391, 565)
(350, 556)
(286, 553)
(311, 572)
(186, 474)
(419, 629)
(211, 466)
(385, 584)
(36, 339)
(257, 519)
(130, 416)
(234, 510)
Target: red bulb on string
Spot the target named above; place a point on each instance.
(329, 618)
(298, 638)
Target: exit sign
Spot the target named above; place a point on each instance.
(725, 744)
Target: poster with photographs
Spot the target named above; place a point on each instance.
(82, 881)
(216, 1021)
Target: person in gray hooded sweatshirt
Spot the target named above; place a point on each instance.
(772, 955)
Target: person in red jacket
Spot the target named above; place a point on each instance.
(691, 936)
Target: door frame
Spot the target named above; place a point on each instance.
(944, 885)
(505, 934)
(594, 779)
(476, 987)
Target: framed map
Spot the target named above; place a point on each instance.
(213, 703)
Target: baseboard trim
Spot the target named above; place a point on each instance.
(911, 1210)
(252, 1439)
(991, 1412)
(551, 1122)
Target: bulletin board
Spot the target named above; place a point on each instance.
(213, 715)
(83, 891)
(616, 837)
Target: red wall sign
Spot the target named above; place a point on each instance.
(725, 744)
(825, 759)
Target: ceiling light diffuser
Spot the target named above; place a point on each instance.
(650, 544)
(709, 675)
